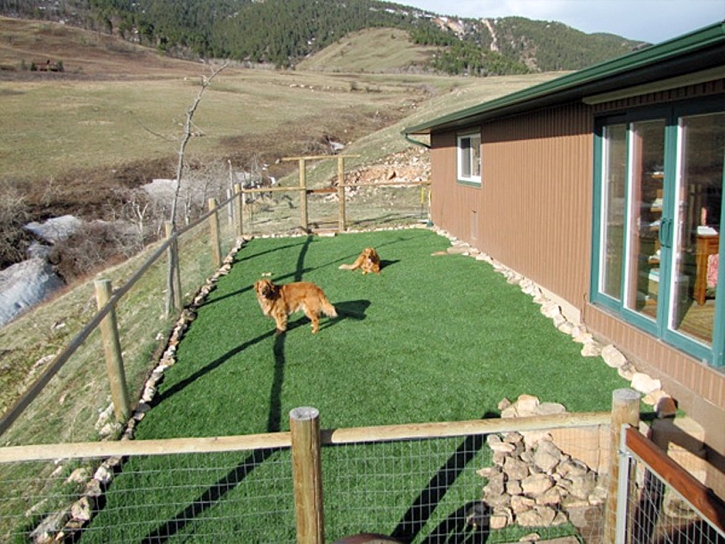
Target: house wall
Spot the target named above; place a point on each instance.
(533, 213)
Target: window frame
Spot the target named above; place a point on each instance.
(466, 163)
(672, 113)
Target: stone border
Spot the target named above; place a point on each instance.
(650, 388)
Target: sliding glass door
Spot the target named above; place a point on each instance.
(697, 220)
(658, 218)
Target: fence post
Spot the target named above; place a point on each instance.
(216, 247)
(307, 474)
(342, 226)
(112, 349)
(303, 195)
(239, 209)
(625, 411)
(174, 275)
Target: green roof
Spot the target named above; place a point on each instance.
(699, 50)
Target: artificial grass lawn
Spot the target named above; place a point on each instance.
(432, 338)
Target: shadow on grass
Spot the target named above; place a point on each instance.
(209, 498)
(352, 309)
(466, 524)
(180, 386)
(221, 487)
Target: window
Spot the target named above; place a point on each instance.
(657, 223)
(469, 158)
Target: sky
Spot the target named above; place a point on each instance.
(650, 21)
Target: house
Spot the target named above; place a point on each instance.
(604, 187)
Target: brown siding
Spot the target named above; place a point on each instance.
(699, 389)
(533, 209)
(533, 214)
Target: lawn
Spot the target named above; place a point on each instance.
(431, 338)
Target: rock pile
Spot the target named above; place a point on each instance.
(532, 482)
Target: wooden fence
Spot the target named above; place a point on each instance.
(305, 440)
(108, 298)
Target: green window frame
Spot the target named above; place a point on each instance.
(657, 223)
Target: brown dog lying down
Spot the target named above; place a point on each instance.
(279, 301)
(368, 261)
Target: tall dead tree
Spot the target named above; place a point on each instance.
(187, 135)
(173, 277)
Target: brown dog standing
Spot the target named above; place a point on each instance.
(279, 301)
(368, 261)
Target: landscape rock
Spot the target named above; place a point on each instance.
(644, 383)
(613, 357)
(547, 456)
(533, 483)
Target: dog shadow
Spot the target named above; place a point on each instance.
(385, 263)
(350, 309)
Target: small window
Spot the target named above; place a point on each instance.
(469, 158)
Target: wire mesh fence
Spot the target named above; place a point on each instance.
(663, 505)
(415, 483)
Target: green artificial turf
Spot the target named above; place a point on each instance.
(431, 338)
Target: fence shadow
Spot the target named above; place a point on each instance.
(209, 498)
(456, 528)
(177, 387)
(234, 477)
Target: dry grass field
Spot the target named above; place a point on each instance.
(114, 116)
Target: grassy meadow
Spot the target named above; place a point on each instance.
(117, 103)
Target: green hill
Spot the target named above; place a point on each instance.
(284, 33)
(376, 50)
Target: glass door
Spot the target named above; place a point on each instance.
(696, 226)
(657, 220)
(643, 249)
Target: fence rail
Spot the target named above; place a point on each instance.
(168, 247)
(659, 501)
(409, 480)
(220, 233)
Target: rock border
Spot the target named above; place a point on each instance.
(650, 388)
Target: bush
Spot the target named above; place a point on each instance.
(14, 213)
(94, 246)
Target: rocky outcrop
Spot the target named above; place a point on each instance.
(24, 285)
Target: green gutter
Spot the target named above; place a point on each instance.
(700, 39)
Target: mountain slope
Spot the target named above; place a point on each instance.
(376, 50)
(285, 32)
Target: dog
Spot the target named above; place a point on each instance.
(368, 261)
(279, 301)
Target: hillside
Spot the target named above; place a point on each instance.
(377, 50)
(84, 140)
(88, 55)
(284, 33)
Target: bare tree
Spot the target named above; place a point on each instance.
(188, 133)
